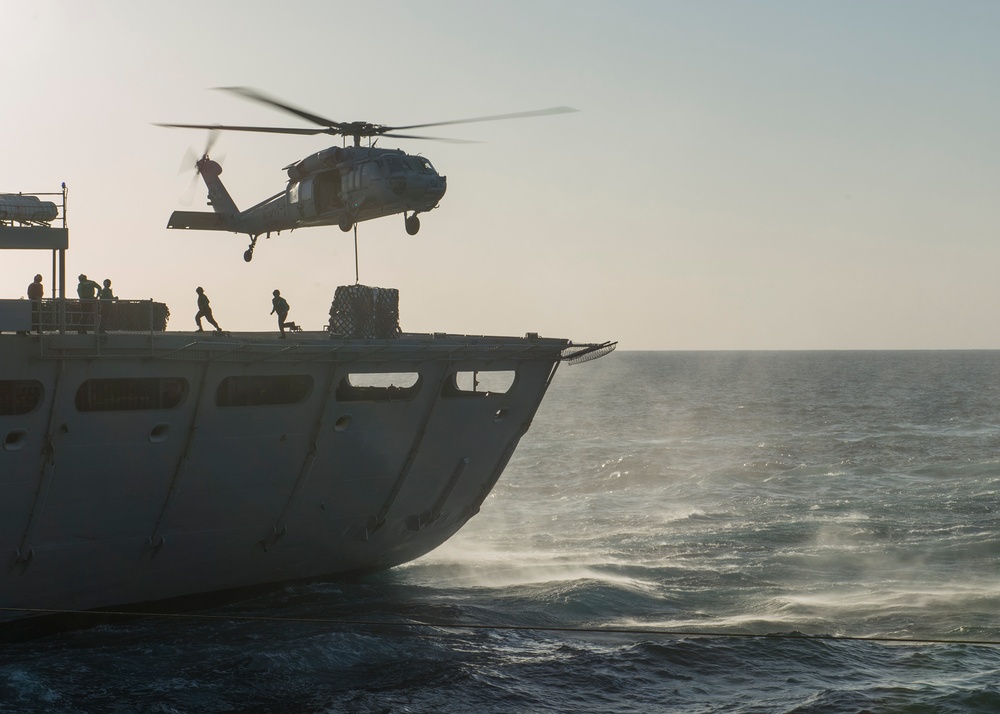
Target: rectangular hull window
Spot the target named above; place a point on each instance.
(479, 383)
(19, 396)
(115, 395)
(378, 387)
(262, 390)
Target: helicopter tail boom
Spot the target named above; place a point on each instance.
(198, 221)
(223, 218)
(218, 196)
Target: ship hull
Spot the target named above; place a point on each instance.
(138, 468)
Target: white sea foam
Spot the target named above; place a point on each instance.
(721, 493)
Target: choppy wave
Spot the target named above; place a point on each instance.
(761, 532)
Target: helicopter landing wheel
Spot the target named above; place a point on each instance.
(248, 254)
(346, 224)
(412, 224)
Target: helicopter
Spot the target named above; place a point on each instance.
(340, 185)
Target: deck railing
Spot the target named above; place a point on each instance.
(99, 316)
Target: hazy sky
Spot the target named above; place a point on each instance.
(741, 175)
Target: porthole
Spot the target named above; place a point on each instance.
(15, 440)
(159, 433)
(500, 415)
(342, 423)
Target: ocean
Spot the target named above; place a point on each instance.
(678, 532)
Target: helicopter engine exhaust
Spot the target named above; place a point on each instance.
(326, 159)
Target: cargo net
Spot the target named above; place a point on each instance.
(103, 315)
(363, 312)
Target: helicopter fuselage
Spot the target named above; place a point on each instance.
(371, 183)
(337, 186)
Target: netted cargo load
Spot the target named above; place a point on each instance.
(106, 315)
(133, 315)
(364, 312)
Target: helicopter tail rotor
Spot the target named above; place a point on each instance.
(192, 161)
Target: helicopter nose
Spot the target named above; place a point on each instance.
(427, 190)
(438, 185)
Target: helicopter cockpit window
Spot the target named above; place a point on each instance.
(395, 165)
(424, 165)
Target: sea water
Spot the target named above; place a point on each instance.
(689, 532)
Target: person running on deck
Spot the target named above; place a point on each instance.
(35, 293)
(280, 306)
(205, 311)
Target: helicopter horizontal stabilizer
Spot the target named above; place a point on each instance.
(198, 221)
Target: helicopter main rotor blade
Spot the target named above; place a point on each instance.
(356, 129)
(264, 129)
(291, 130)
(495, 117)
(254, 95)
(430, 138)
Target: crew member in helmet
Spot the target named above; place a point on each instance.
(280, 306)
(86, 316)
(35, 293)
(205, 311)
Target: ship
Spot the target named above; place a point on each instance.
(141, 465)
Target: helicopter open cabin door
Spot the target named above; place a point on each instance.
(326, 193)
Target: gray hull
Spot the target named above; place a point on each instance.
(249, 460)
